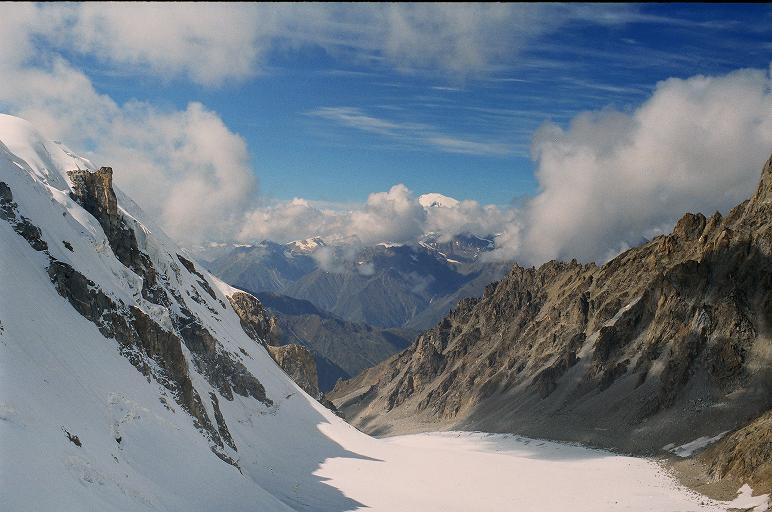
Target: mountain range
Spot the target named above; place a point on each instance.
(384, 285)
(668, 341)
(341, 348)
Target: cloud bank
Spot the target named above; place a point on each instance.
(611, 178)
(393, 216)
(606, 179)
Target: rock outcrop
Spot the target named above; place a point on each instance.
(299, 364)
(667, 342)
(257, 323)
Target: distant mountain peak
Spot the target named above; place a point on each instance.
(306, 246)
(436, 200)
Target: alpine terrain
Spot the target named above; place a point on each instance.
(667, 342)
(132, 379)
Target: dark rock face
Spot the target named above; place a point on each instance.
(295, 360)
(19, 223)
(254, 319)
(141, 338)
(299, 364)
(94, 192)
(666, 342)
(190, 267)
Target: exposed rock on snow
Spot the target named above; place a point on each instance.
(299, 364)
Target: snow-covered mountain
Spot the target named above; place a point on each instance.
(132, 379)
(435, 200)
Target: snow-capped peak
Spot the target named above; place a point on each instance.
(435, 200)
(45, 160)
(307, 245)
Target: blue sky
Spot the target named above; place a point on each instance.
(305, 116)
(568, 130)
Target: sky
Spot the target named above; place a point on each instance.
(566, 130)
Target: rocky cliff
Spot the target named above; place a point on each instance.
(668, 341)
(299, 364)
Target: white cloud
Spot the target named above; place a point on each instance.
(213, 44)
(393, 216)
(469, 217)
(612, 178)
(292, 220)
(209, 43)
(606, 180)
(409, 133)
(185, 168)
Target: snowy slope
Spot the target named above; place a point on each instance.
(435, 200)
(85, 426)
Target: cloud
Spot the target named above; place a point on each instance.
(208, 43)
(469, 217)
(393, 216)
(611, 178)
(184, 167)
(606, 179)
(409, 133)
(214, 45)
(291, 220)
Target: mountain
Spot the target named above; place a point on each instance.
(668, 341)
(435, 200)
(464, 248)
(266, 266)
(341, 348)
(385, 285)
(132, 379)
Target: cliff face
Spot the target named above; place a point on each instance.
(666, 342)
(299, 364)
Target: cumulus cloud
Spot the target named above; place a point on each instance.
(469, 217)
(606, 180)
(611, 178)
(185, 167)
(291, 220)
(393, 216)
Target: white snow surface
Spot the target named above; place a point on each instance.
(687, 449)
(59, 373)
(435, 200)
